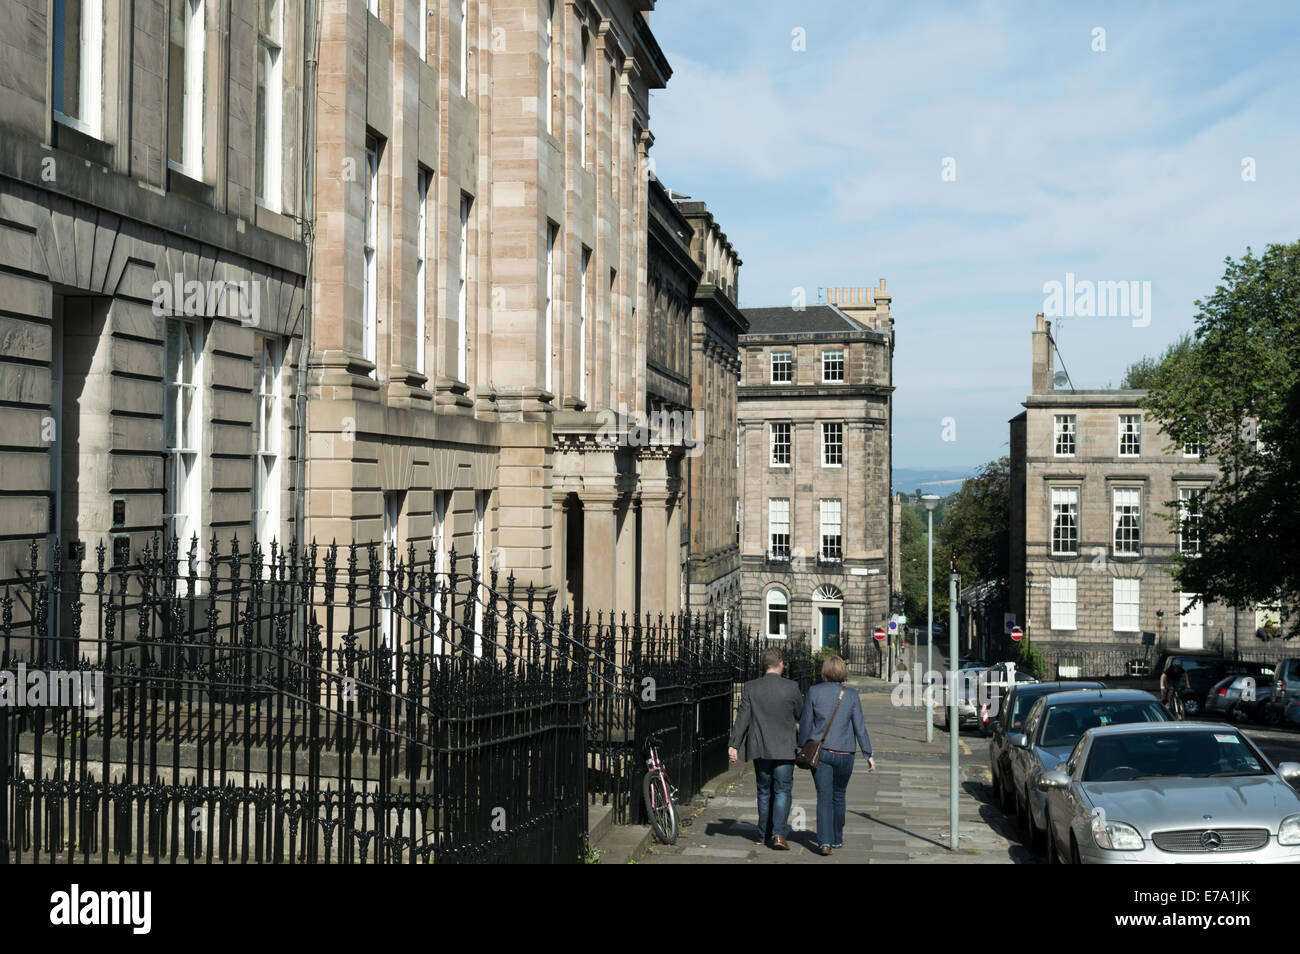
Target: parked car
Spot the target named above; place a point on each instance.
(1200, 672)
(1189, 792)
(1286, 689)
(1011, 718)
(1052, 729)
(967, 711)
(995, 687)
(1243, 693)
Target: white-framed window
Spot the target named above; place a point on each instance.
(1193, 448)
(1065, 599)
(832, 444)
(778, 528)
(462, 293)
(1190, 500)
(831, 537)
(1268, 616)
(422, 178)
(370, 278)
(441, 507)
(779, 434)
(422, 38)
(480, 549)
(1064, 435)
(183, 436)
(833, 365)
(582, 97)
(583, 305)
(1065, 521)
(78, 29)
(393, 502)
(737, 521)
(614, 137)
(550, 66)
(782, 367)
(1128, 521)
(269, 423)
(778, 613)
(1126, 600)
(464, 48)
(1130, 435)
(185, 88)
(548, 357)
(738, 446)
(270, 104)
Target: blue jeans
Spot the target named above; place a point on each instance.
(775, 788)
(832, 780)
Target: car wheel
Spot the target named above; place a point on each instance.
(1035, 835)
(1053, 853)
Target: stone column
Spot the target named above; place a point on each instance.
(627, 552)
(673, 552)
(599, 552)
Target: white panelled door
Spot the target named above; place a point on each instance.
(1191, 627)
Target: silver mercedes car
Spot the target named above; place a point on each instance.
(1171, 792)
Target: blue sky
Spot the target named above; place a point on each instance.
(824, 168)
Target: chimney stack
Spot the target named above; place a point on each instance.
(1043, 364)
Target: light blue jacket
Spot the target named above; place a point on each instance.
(849, 726)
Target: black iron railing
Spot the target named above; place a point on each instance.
(337, 704)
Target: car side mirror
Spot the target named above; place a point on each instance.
(1053, 779)
(1018, 739)
(1289, 770)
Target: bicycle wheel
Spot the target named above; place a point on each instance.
(659, 807)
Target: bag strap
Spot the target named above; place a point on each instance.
(832, 718)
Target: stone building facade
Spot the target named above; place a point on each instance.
(815, 468)
(1094, 484)
(493, 291)
(152, 273)
(716, 323)
(480, 302)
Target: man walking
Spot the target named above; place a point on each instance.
(766, 726)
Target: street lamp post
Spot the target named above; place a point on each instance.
(1029, 602)
(930, 501)
(954, 725)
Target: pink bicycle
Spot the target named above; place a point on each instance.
(659, 794)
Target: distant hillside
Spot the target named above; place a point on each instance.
(931, 480)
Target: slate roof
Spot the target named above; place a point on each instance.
(789, 321)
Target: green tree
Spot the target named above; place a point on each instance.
(1236, 393)
(912, 552)
(1142, 375)
(977, 526)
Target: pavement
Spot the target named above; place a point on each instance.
(897, 815)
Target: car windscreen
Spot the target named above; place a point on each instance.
(1023, 700)
(1116, 758)
(1063, 724)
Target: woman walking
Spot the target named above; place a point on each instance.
(834, 711)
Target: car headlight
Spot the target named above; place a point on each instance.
(1288, 833)
(1117, 836)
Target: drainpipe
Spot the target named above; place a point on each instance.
(308, 228)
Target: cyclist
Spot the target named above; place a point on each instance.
(1173, 679)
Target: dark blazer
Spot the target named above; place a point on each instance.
(849, 730)
(766, 724)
